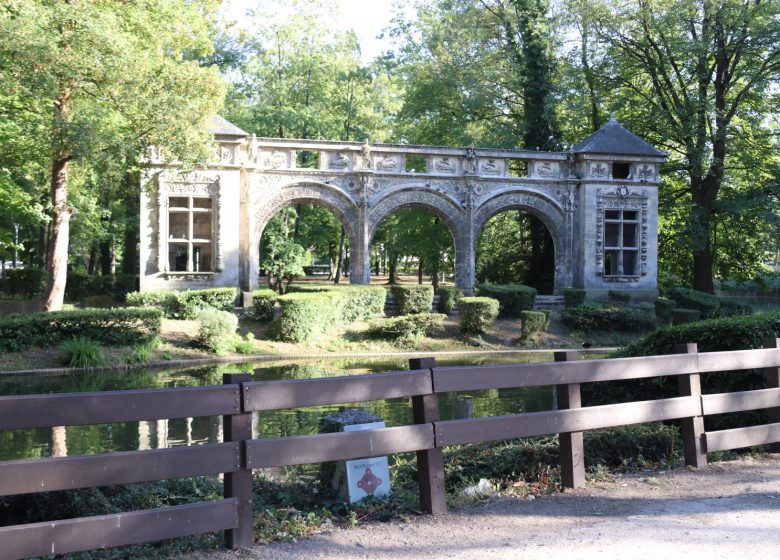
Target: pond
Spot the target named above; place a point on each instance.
(155, 434)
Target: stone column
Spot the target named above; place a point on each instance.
(360, 248)
(465, 245)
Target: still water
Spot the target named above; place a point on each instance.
(155, 434)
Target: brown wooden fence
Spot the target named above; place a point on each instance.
(239, 453)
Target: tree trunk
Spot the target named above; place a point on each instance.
(392, 274)
(420, 271)
(340, 262)
(60, 231)
(435, 274)
(92, 259)
(105, 257)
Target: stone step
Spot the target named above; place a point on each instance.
(548, 302)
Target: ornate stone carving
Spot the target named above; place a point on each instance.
(387, 163)
(547, 169)
(439, 204)
(471, 160)
(226, 154)
(365, 152)
(252, 149)
(622, 198)
(444, 164)
(491, 166)
(598, 170)
(338, 161)
(219, 260)
(276, 159)
(646, 172)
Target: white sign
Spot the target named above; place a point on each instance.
(369, 476)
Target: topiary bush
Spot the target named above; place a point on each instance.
(217, 330)
(663, 310)
(533, 322)
(592, 316)
(448, 298)
(512, 298)
(681, 316)
(305, 317)
(121, 326)
(477, 314)
(185, 304)
(263, 304)
(572, 297)
(708, 305)
(618, 296)
(407, 328)
(411, 300)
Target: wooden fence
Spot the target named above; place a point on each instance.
(239, 453)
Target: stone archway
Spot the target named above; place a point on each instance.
(263, 209)
(440, 205)
(550, 213)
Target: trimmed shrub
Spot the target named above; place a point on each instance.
(185, 304)
(264, 301)
(547, 318)
(619, 297)
(305, 316)
(122, 326)
(731, 308)
(84, 353)
(533, 322)
(663, 309)
(680, 316)
(407, 327)
(25, 282)
(412, 300)
(477, 313)
(512, 298)
(356, 303)
(217, 330)
(572, 297)
(706, 304)
(591, 316)
(448, 298)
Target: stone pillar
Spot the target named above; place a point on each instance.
(465, 247)
(360, 247)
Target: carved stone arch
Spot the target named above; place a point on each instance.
(417, 197)
(550, 213)
(264, 208)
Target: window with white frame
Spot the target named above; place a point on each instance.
(621, 242)
(190, 233)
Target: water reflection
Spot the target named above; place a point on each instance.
(157, 434)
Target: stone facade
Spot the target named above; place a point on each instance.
(203, 228)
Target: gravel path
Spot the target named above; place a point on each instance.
(730, 510)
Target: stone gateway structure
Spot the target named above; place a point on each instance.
(599, 201)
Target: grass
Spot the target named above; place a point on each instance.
(81, 352)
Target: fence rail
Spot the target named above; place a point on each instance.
(240, 453)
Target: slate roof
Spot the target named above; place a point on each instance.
(612, 138)
(222, 127)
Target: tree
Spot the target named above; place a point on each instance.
(101, 77)
(689, 71)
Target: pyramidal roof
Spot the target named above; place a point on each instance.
(612, 138)
(222, 127)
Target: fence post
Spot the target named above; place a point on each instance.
(572, 448)
(430, 462)
(773, 382)
(693, 427)
(238, 427)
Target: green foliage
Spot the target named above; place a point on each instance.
(354, 302)
(663, 309)
(477, 314)
(533, 322)
(217, 330)
(185, 304)
(407, 328)
(81, 286)
(707, 304)
(141, 353)
(83, 352)
(512, 298)
(411, 300)
(121, 326)
(284, 261)
(448, 299)
(245, 345)
(572, 297)
(619, 297)
(591, 316)
(680, 315)
(264, 301)
(25, 282)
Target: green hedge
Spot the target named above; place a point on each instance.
(572, 297)
(263, 304)
(448, 298)
(680, 315)
(308, 311)
(512, 298)
(619, 296)
(407, 327)
(533, 322)
(477, 313)
(663, 309)
(25, 282)
(185, 304)
(591, 316)
(122, 326)
(80, 286)
(411, 300)
(708, 305)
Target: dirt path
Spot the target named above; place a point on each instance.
(729, 510)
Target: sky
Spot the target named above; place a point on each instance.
(366, 17)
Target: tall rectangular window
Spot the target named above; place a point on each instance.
(190, 233)
(621, 242)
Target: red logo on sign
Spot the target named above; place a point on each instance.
(369, 483)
